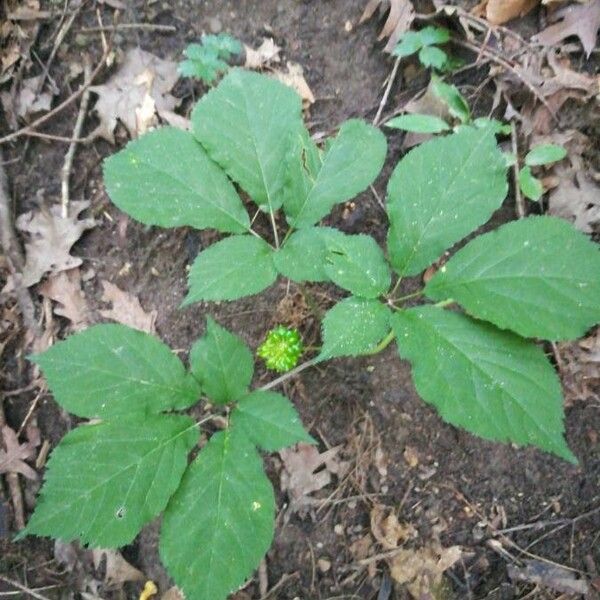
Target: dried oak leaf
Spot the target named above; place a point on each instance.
(65, 289)
(501, 11)
(400, 17)
(422, 570)
(50, 239)
(126, 309)
(267, 52)
(581, 20)
(299, 476)
(14, 454)
(386, 528)
(294, 78)
(126, 97)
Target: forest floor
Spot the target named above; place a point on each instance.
(526, 524)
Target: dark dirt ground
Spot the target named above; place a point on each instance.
(449, 485)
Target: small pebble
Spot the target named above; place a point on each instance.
(324, 565)
(339, 529)
(215, 25)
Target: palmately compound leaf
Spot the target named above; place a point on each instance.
(166, 178)
(246, 125)
(431, 56)
(354, 326)
(115, 371)
(538, 276)
(237, 266)
(439, 193)
(222, 363)
(491, 382)
(302, 257)
(270, 421)
(206, 60)
(351, 162)
(104, 482)
(219, 524)
(356, 263)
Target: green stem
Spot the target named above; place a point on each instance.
(395, 288)
(287, 235)
(286, 376)
(445, 302)
(383, 344)
(274, 225)
(408, 296)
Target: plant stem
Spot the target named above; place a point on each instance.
(274, 225)
(395, 288)
(286, 376)
(408, 296)
(445, 302)
(383, 344)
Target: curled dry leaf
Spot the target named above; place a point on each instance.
(126, 309)
(498, 12)
(294, 78)
(422, 570)
(13, 454)
(65, 289)
(400, 17)
(142, 79)
(581, 20)
(299, 477)
(51, 236)
(267, 52)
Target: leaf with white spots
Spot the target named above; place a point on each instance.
(220, 522)
(439, 193)
(538, 276)
(104, 482)
(493, 383)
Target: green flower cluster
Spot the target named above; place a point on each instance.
(281, 349)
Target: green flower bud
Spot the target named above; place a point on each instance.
(281, 349)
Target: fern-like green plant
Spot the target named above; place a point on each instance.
(473, 347)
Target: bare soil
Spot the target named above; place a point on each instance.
(448, 484)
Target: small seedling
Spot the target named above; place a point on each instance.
(544, 154)
(210, 58)
(425, 43)
(473, 346)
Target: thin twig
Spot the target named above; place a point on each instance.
(145, 26)
(519, 202)
(16, 495)
(286, 376)
(386, 94)
(68, 164)
(23, 588)
(263, 578)
(279, 584)
(74, 96)
(56, 138)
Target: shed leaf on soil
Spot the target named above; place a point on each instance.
(126, 309)
(50, 237)
(400, 17)
(14, 454)
(65, 289)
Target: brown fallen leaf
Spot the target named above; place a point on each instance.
(298, 476)
(581, 20)
(115, 568)
(294, 78)
(126, 309)
(498, 12)
(422, 570)
(386, 528)
(400, 17)
(13, 454)
(50, 239)
(65, 289)
(140, 74)
(553, 577)
(267, 52)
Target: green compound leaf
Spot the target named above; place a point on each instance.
(104, 482)
(457, 105)
(240, 265)
(419, 123)
(434, 35)
(222, 363)
(538, 276)
(206, 60)
(219, 524)
(545, 154)
(439, 193)
(354, 326)
(246, 125)
(531, 186)
(409, 43)
(166, 178)
(430, 56)
(491, 382)
(113, 371)
(356, 263)
(270, 421)
(352, 161)
(302, 257)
